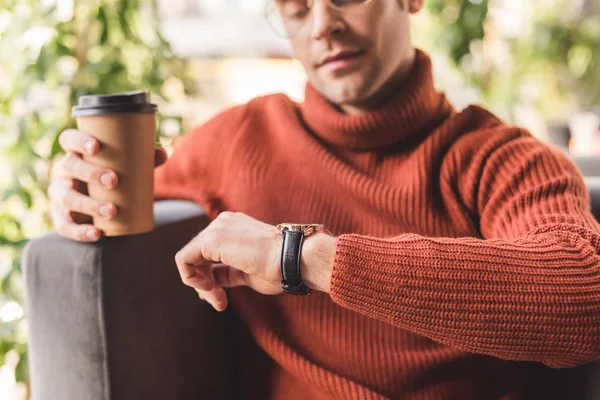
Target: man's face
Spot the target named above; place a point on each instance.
(349, 53)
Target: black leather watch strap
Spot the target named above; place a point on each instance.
(291, 281)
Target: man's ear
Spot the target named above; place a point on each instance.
(414, 6)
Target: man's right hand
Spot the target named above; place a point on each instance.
(71, 209)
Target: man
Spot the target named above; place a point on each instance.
(460, 246)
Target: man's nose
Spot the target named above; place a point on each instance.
(326, 20)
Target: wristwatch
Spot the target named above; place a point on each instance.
(293, 238)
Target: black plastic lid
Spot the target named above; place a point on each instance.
(127, 102)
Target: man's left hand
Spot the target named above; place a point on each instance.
(238, 250)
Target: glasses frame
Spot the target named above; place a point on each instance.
(271, 8)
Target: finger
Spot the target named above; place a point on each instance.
(226, 276)
(72, 200)
(74, 217)
(200, 281)
(78, 142)
(198, 278)
(73, 166)
(78, 186)
(189, 272)
(160, 156)
(67, 182)
(192, 256)
(67, 228)
(194, 270)
(202, 250)
(208, 290)
(203, 284)
(216, 297)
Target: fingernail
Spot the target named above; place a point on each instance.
(89, 146)
(107, 179)
(91, 234)
(105, 209)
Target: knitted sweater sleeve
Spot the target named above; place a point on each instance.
(195, 169)
(528, 289)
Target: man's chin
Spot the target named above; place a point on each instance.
(350, 93)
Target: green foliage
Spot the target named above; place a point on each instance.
(552, 64)
(47, 60)
(465, 22)
(572, 47)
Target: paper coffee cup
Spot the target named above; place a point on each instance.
(125, 126)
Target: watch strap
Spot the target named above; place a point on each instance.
(291, 281)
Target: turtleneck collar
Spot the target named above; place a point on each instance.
(415, 105)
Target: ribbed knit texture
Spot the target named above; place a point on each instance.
(465, 246)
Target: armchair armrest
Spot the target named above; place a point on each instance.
(112, 320)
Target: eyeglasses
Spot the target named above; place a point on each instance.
(291, 18)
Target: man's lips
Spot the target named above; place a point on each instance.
(340, 57)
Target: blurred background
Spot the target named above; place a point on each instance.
(535, 63)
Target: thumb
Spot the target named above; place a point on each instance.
(160, 156)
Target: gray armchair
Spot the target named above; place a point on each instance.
(112, 320)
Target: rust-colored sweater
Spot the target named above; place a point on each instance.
(465, 245)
